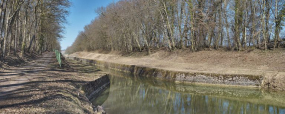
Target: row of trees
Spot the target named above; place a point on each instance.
(136, 25)
(31, 25)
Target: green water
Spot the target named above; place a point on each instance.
(134, 95)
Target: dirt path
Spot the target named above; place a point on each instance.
(39, 86)
(13, 78)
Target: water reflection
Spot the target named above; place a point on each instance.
(134, 95)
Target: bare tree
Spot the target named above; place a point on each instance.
(25, 22)
(143, 25)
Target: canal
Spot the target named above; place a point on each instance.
(137, 95)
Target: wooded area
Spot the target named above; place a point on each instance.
(137, 25)
(31, 25)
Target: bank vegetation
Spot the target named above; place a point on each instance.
(143, 25)
(31, 25)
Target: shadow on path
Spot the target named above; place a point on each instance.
(40, 86)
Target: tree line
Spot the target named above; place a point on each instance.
(137, 25)
(31, 25)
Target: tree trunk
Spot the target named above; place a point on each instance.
(227, 26)
(165, 31)
(238, 20)
(245, 24)
(252, 20)
(264, 25)
(137, 41)
(276, 24)
(168, 27)
(221, 24)
(6, 31)
(35, 28)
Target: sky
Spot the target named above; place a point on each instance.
(81, 13)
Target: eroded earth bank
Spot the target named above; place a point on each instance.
(247, 68)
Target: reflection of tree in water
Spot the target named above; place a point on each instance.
(138, 95)
(100, 99)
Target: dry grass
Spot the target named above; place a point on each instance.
(216, 61)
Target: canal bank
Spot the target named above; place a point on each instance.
(93, 82)
(272, 80)
(129, 90)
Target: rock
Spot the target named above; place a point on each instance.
(99, 110)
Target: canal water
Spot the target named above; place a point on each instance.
(138, 95)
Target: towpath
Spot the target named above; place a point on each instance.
(40, 86)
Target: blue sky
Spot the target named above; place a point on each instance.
(82, 12)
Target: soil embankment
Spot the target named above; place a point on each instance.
(40, 86)
(264, 69)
